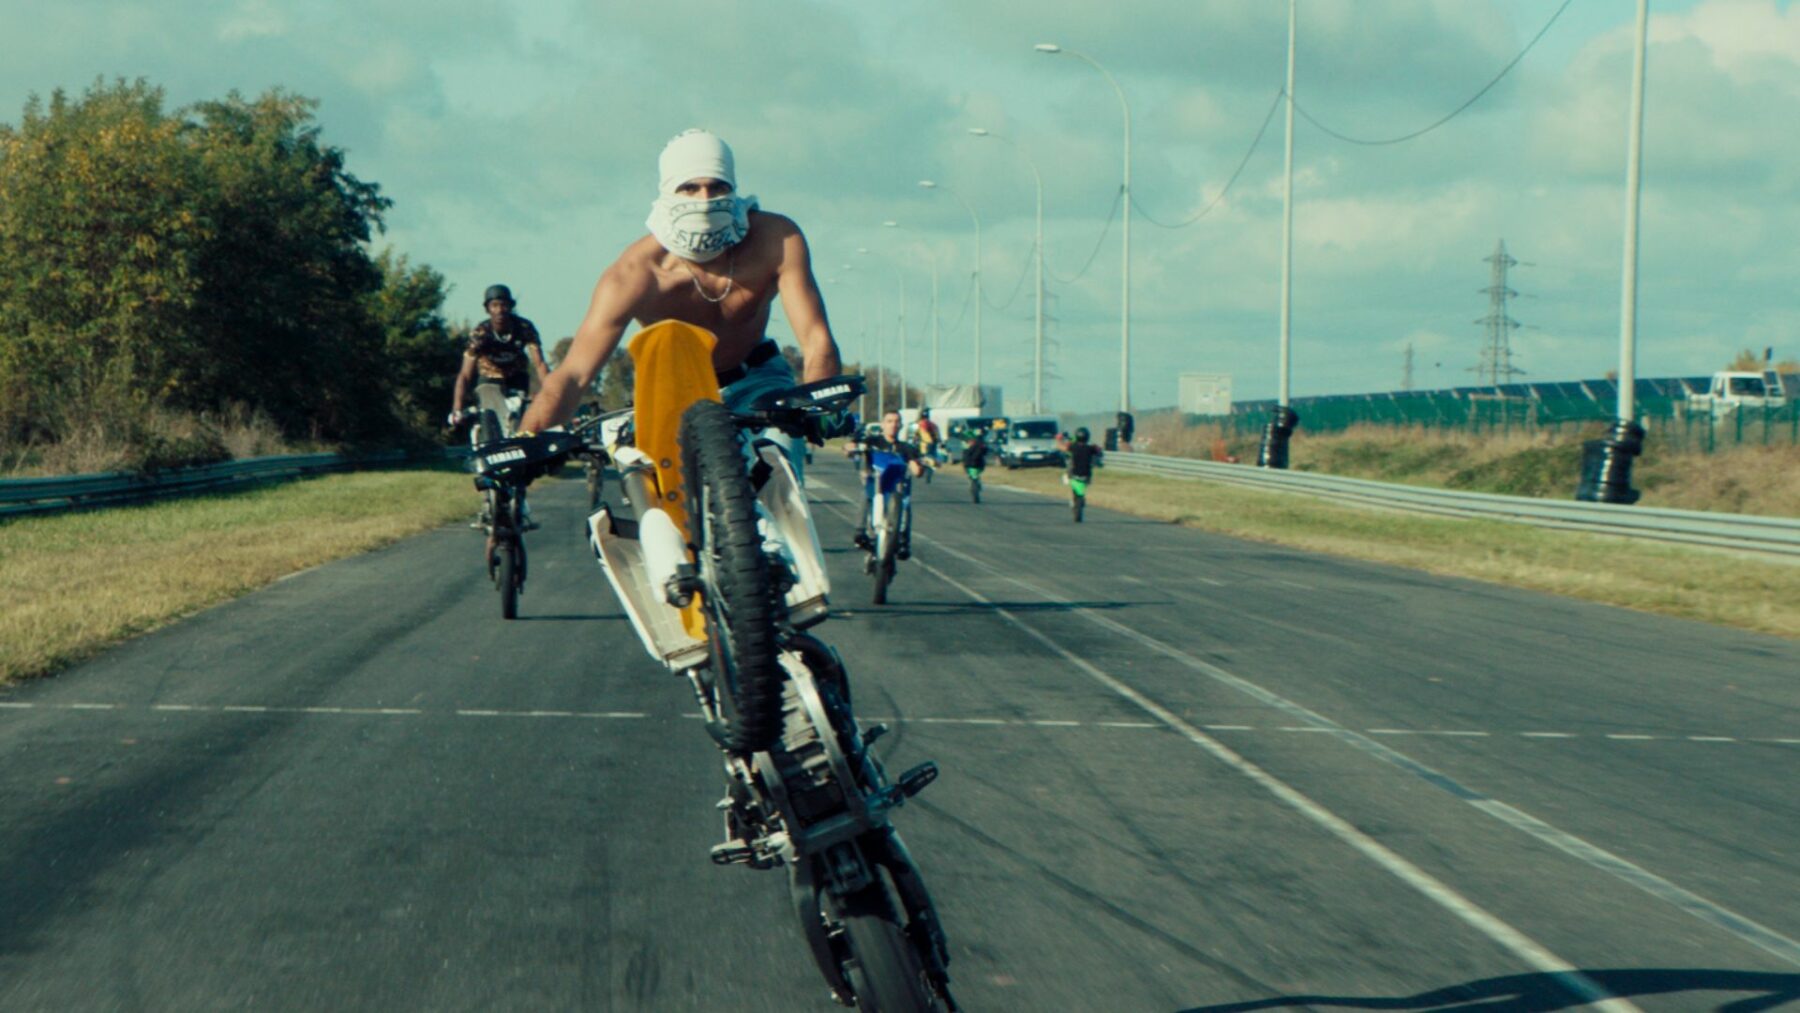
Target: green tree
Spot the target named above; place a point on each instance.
(421, 354)
(101, 237)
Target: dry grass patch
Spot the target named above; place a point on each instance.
(80, 582)
(1745, 479)
(1713, 587)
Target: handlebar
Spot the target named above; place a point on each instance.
(522, 459)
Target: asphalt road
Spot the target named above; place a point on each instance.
(1180, 772)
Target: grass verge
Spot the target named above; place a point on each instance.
(1713, 587)
(80, 582)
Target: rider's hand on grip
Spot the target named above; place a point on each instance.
(830, 426)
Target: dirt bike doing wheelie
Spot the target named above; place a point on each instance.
(890, 518)
(720, 571)
(503, 516)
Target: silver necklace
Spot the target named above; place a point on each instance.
(730, 272)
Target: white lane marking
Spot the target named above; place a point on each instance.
(1295, 583)
(942, 720)
(1433, 888)
(1209, 580)
(1707, 911)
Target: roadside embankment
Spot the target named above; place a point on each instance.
(80, 582)
(1714, 587)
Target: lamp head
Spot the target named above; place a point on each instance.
(1048, 47)
(890, 225)
(927, 184)
(979, 131)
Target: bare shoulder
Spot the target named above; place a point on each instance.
(777, 227)
(635, 269)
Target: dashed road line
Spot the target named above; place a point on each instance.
(978, 721)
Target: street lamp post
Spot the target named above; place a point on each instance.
(1037, 386)
(931, 185)
(931, 255)
(1606, 463)
(1125, 287)
(1274, 450)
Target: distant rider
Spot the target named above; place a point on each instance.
(495, 359)
(975, 455)
(1083, 456)
(931, 440)
(888, 441)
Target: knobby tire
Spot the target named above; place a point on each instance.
(508, 579)
(884, 970)
(739, 592)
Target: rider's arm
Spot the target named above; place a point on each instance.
(805, 308)
(535, 352)
(608, 313)
(463, 380)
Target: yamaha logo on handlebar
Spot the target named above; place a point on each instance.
(502, 457)
(830, 392)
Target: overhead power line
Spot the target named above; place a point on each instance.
(1203, 212)
(1104, 231)
(1018, 286)
(1454, 112)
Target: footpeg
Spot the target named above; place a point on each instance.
(681, 587)
(873, 732)
(917, 779)
(733, 853)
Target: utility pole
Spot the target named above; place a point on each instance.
(1496, 365)
(1406, 381)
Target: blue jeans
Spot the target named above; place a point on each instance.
(772, 377)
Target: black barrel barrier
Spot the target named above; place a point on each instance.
(1606, 465)
(1274, 452)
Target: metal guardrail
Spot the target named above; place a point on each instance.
(1775, 535)
(47, 495)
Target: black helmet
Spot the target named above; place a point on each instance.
(1081, 435)
(500, 292)
(924, 413)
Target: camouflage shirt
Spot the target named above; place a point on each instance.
(500, 355)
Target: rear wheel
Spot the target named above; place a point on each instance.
(507, 577)
(888, 542)
(1076, 506)
(738, 591)
(975, 489)
(883, 968)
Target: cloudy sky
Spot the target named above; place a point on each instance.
(518, 140)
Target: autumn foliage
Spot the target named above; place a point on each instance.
(203, 260)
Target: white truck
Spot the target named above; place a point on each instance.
(1732, 390)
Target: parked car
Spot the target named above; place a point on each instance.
(1030, 441)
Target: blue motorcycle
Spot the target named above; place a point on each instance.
(889, 488)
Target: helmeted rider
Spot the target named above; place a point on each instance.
(715, 259)
(497, 359)
(888, 441)
(1083, 456)
(931, 439)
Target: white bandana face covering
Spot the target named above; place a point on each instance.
(699, 230)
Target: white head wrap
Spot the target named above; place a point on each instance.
(698, 230)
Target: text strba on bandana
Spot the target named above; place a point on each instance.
(699, 230)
